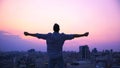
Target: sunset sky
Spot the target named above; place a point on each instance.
(101, 18)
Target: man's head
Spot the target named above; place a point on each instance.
(56, 27)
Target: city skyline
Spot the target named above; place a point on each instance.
(99, 18)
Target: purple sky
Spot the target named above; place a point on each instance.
(99, 17)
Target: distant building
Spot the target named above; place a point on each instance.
(84, 52)
(31, 57)
(94, 50)
(21, 63)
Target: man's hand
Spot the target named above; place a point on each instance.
(26, 33)
(86, 34)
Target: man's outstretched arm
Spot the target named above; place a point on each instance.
(29, 34)
(81, 35)
(40, 36)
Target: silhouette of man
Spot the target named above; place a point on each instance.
(55, 43)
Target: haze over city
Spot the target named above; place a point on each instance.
(100, 18)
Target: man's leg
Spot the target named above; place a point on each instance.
(51, 63)
(60, 62)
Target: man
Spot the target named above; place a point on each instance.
(55, 43)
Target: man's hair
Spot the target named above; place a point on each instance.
(56, 27)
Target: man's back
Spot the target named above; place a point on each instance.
(55, 42)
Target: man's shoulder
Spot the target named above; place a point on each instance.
(55, 33)
(62, 33)
(50, 33)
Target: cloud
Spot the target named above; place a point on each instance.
(10, 42)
